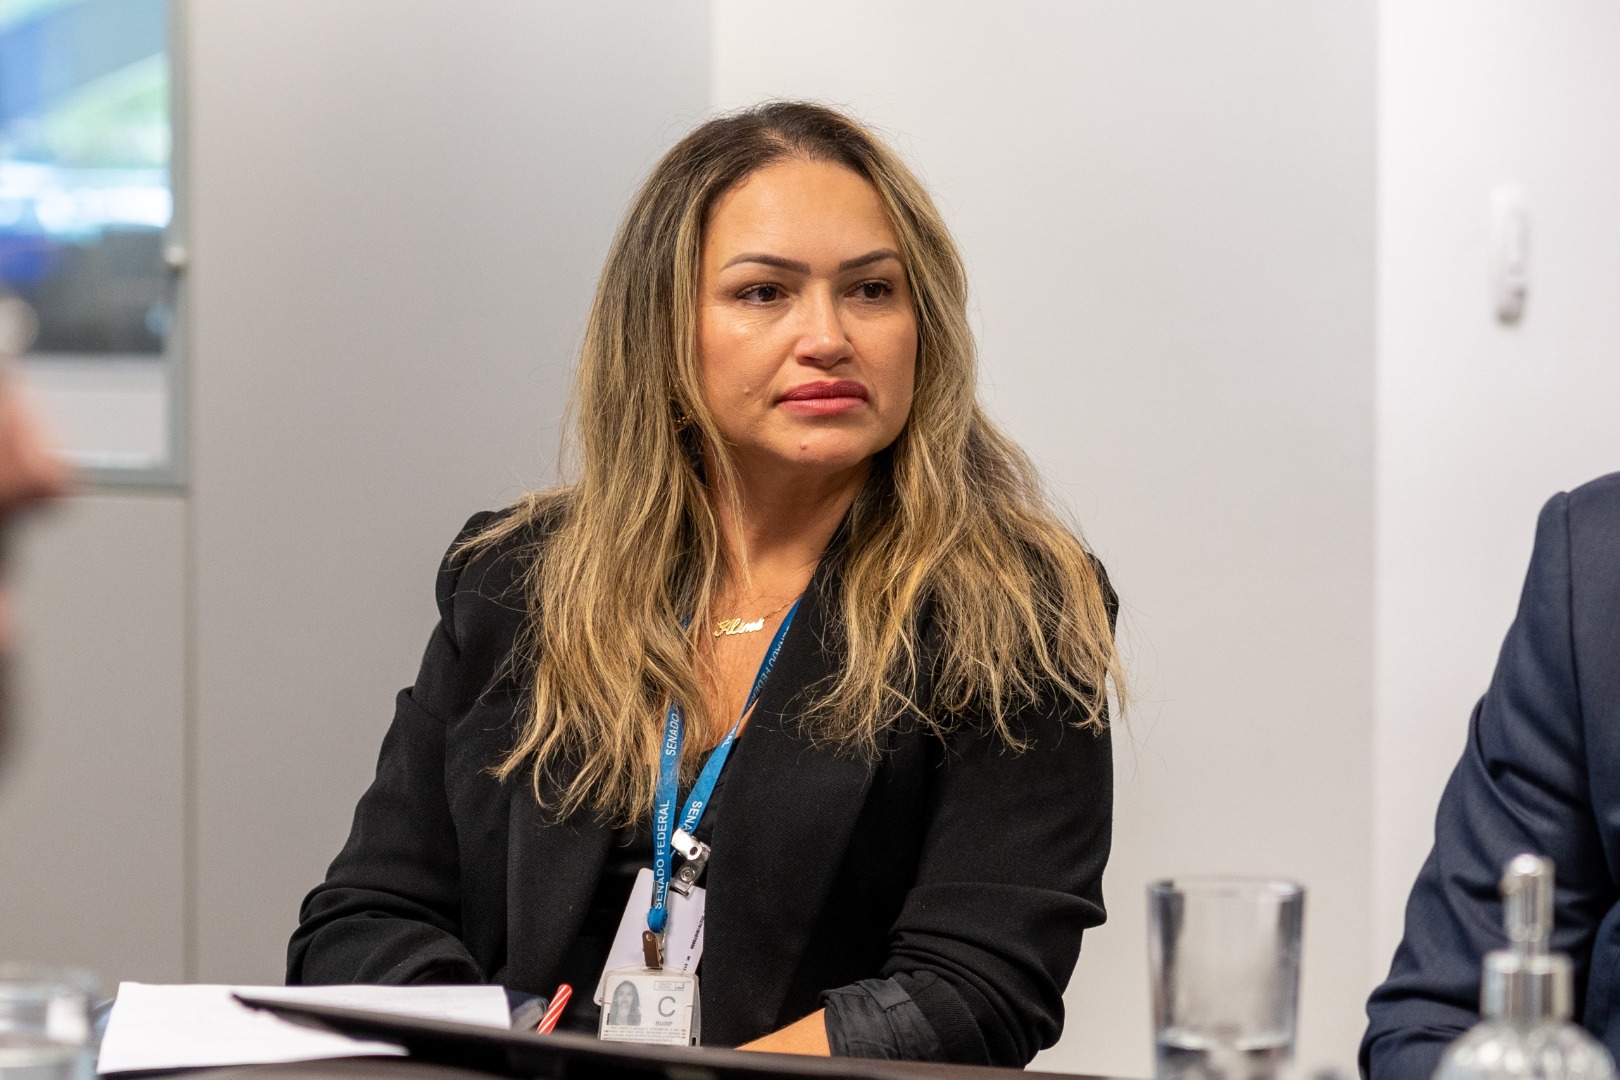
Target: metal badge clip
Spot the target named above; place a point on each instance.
(652, 949)
(694, 854)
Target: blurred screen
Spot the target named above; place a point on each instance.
(85, 197)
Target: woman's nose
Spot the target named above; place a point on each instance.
(823, 340)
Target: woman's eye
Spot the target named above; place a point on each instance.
(873, 290)
(760, 294)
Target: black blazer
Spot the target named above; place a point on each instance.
(1540, 773)
(965, 871)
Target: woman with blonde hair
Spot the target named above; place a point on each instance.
(803, 643)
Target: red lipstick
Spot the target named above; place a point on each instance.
(824, 397)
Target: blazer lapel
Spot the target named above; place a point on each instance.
(552, 873)
(783, 827)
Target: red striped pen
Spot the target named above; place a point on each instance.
(554, 1011)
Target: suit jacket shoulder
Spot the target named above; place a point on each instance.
(1593, 530)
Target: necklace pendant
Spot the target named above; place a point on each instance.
(728, 627)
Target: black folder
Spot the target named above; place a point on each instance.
(580, 1057)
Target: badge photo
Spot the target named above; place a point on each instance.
(648, 1006)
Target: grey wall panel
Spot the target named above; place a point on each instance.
(397, 225)
(91, 798)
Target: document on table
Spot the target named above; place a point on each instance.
(200, 1026)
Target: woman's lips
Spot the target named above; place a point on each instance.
(824, 398)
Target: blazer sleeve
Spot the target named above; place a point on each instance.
(1521, 785)
(1010, 878)
(389, 909)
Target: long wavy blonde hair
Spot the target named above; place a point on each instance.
(952, 515)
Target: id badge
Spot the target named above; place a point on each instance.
(647, 1005)
(683, 938)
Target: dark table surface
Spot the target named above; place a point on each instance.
(405, 1069)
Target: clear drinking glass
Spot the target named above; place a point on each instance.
(1224, 960)
(45, 1023)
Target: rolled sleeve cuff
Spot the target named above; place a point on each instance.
(878, 1018)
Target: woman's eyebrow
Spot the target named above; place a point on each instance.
(768, 260)
(803, 267)
(868, 259)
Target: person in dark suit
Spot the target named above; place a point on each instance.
(787, 488)
(1541, 774)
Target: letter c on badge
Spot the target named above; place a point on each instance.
(666, 1006)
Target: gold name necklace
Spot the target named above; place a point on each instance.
(728, 627)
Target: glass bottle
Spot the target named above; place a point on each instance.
(1526, 997)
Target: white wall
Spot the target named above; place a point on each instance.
(396, 229)
(1167, 211)
(1480, 423)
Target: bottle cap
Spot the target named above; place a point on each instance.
(1526, 983)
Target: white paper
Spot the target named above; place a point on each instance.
(683, 935)
(199, 1026)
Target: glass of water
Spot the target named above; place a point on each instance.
(45, 1023)
(1224, 959)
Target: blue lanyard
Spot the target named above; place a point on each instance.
(669, 766)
